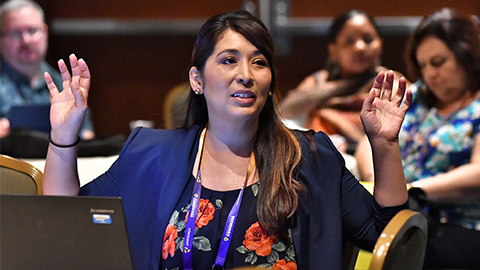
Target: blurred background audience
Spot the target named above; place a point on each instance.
(119, 40)
(330, 99)
(23, 47)
(440, 137)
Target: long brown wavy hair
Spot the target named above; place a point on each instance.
(277, 150)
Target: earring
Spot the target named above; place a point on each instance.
(270, 93)
(197, 91)
(335, 71)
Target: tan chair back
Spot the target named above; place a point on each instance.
(175, 106)
(19, 177)
(402, 244)
(350, 255)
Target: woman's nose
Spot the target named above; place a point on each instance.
(428, 72)
(359, 45)
(244, 75)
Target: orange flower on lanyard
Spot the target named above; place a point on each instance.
(205, 213)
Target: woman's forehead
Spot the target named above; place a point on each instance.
(230, 39)
(357, 24)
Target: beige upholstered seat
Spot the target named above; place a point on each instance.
(19, 177)
(175, 107)
(402, 244)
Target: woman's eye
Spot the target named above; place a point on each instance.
(368, 39)
(228, 61)
(349, 41)
(437, 62)
(260, 62)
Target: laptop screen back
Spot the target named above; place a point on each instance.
(56, 232)
(33, 117)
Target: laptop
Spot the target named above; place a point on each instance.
(60, 232)
(31, 116)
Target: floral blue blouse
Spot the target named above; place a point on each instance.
(433, 143)
(249, 245)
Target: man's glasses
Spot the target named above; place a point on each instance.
(32, 33)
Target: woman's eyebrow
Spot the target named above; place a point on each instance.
(231, 51)
(235, 51)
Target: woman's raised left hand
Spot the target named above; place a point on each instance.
(69, 106)
(382, 115)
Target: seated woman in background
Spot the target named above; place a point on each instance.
(330, 100)
(182, 188)
(440, 136)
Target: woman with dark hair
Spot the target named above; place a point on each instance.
(183, 189)
(330, 99)
(440, 137)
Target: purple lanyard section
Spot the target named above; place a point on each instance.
(228, 230)
(192, 219)
(193, 213)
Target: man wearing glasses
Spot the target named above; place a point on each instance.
(23, 46)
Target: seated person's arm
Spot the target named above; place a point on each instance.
(309, 95)
(87, 132)
(363, 156)
(299, 100)
(460, 185)
(4, 127)
(342, 124)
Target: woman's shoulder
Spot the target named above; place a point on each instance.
(154, 140)
(160, 135)
(321, 162)
(473, 109)
(316, 144)
(316, 78)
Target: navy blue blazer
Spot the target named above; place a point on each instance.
(154, 167)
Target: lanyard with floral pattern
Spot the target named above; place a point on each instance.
(192, 216)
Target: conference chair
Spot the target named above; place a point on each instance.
(175, 107)
(402, 244)
(350, 254)
(19, 177)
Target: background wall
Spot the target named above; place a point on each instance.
(133, 73)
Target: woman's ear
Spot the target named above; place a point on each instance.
(195, 80)
(381, 48)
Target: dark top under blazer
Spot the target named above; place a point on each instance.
(154, 167)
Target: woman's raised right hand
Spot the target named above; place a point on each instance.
(69, 106)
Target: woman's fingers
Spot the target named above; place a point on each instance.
(84, 76)
(407, 101)
(74, 65)
(65, 74)
(387, 90)
(50, 84)
(374, 92)
(63, 70)
(402, 87)
(75, 69)
(378, 84)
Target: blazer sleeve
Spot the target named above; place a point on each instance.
(337, 190)
(106, 184)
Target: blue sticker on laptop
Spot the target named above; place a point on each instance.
(102, 219)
